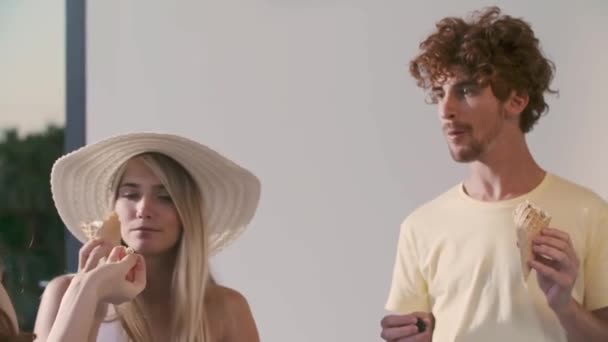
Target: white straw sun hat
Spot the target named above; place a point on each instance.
(81, 183)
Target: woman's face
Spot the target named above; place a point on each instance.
(149, 221)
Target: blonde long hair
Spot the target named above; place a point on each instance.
(191, 278)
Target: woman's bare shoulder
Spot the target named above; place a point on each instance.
(61, 282)
(49, 305)
(58, 285)
(232, 298)
(236, 310)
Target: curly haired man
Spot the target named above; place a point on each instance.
(458, 274)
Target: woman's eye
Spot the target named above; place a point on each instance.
(129, 195)
(165, 198)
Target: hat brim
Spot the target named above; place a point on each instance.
(81, 181)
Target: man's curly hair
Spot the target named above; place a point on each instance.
(493, 49)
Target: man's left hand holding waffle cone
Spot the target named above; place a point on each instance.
(551, 253)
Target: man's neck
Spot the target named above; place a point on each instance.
(506, 171)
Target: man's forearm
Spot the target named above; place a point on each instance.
(582, 325)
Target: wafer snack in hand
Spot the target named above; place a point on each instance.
(529, 221)
(108, 229)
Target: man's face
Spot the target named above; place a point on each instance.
(471, 117)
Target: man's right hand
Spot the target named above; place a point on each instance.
(403, 328)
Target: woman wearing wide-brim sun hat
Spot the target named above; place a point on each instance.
(174, 201)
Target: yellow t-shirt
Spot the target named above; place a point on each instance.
(457, 258)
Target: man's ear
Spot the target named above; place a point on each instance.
(516, 103)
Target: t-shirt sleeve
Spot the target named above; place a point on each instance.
(596, 264)
(408, 291)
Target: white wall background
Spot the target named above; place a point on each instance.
(315, 98)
